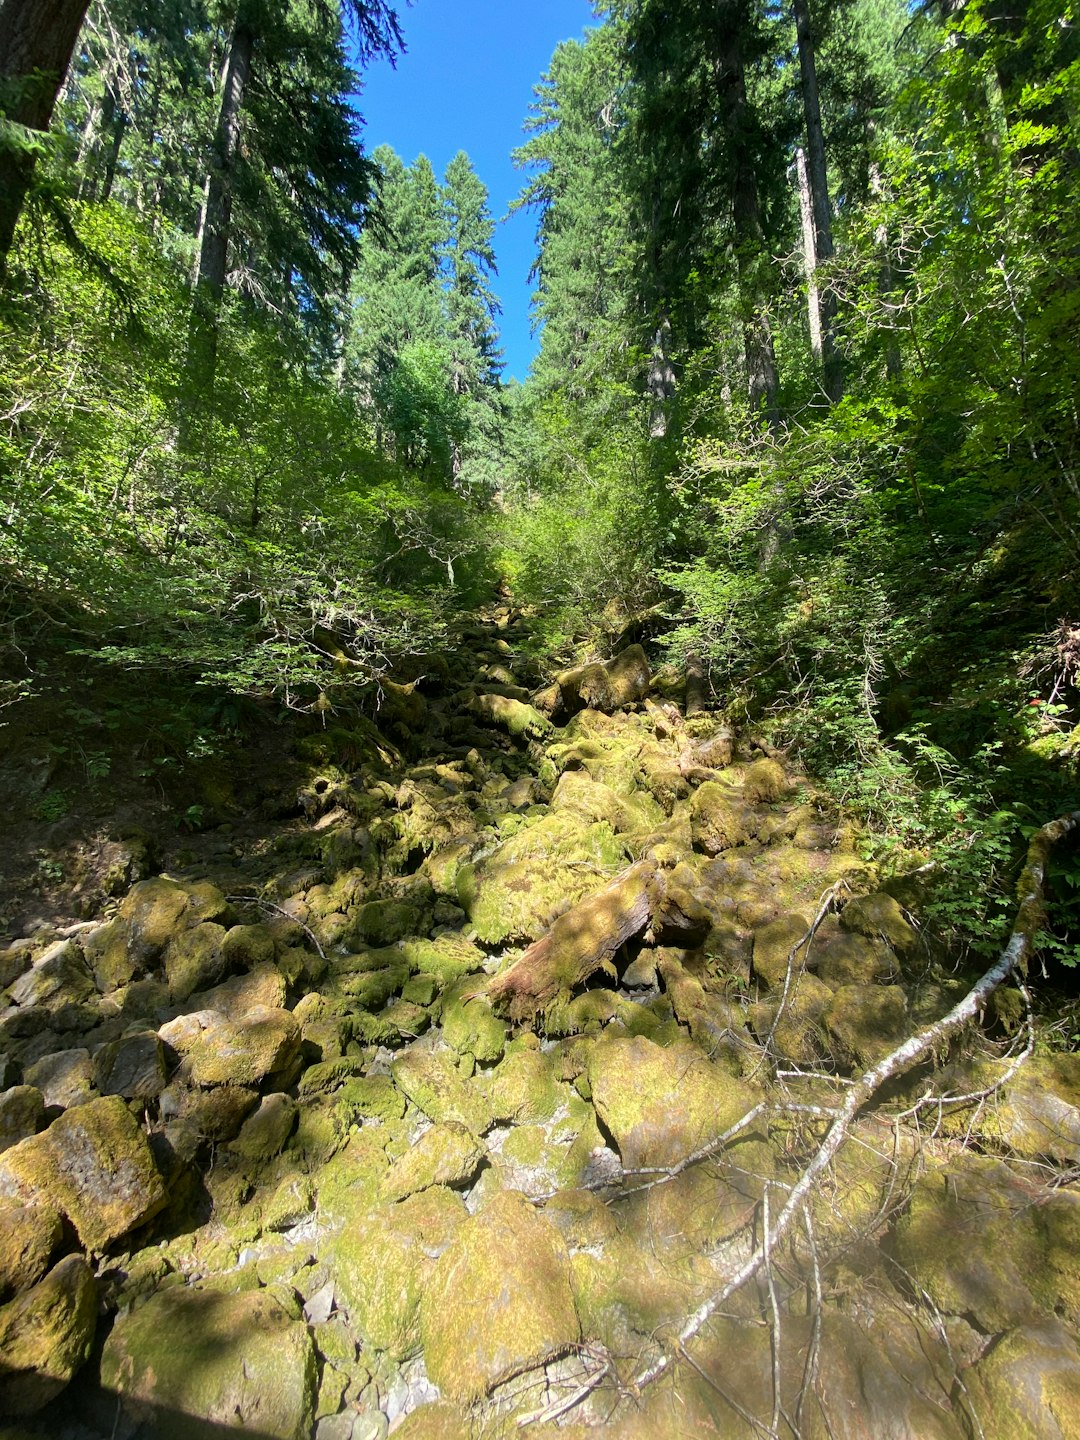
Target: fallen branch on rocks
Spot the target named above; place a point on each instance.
(1014, 956)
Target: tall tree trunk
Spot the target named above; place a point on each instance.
(750, 251)
(832, 363)
(216, 219)
(37, 38)
(661, 381)
(813, 295)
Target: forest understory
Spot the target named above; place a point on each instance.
(549, 907)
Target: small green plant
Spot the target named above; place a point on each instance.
(53, 805)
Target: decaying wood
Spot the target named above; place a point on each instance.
(580, 942)
(1013, 957)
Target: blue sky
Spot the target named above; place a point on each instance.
(466, 84)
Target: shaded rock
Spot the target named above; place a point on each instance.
(113, 961)
(499, 1300)
(866, 1022)
(765, 782)
(440, 1421)
(22, 1110)
(29, 1234)
(382, 922)
(383, 1261)
(194, 959)
(609, 686)
(265, 1131)
(45, 1336)
(153, 910)
(773, 944)
(246, 946)
(799, 1034)
(59, 976)
(94, 1165)
(192, 1115)
(662, 1104)
(853, 959)
(14, 961)
(880, 917)
(65, 1078)
(436, 1088)
(193, 1363)
(444, 1155)
(718, 818)
(133, 1066)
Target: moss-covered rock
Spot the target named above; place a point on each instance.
(765, 782)
(264, 1042)
(435, 1087)
(662, 1104)
(265, 1131)
(444, 1155)
(133, 1066)
(440, 1421)
(880, 917)
(798, 1031)
(445, 958)
(383, 1261)
(369, 1097)
(773, 944)
(969, 1241)
(499, 1300)
(609, 686)
(194, 1362)
(64, 1077)
(866, 1023)
(1028, 1385)
(22, 1110)
(718, 818)
(523, 1087)
(514, 716)
(45, 1336)
(194, 960)
(470, 1026)
(29, 1235)
(59, 976)
(849, 958)
(93, 1165)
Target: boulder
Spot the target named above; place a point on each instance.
(65, 1078)
(880, 917)
(45, 1336)
(718, 818)
(607, 686)
(133, 1066)
(383, 1261)
(265, 1131)
(499, 1300)
(29, 1235)
(59, 976)
(218, 1051)
(773, 944)
(765, 782)
(866, 1023)
(22, 1109)
(93, 1165)
(195, 1363)
(444, 1155)
(194, 959)
(435, 1087)
(662, 1104)
(1027, 1386)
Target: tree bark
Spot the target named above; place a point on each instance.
(661, 381)
(750, 253)
(831, 361)
(216, 219)
(813, 296)
(37, 39)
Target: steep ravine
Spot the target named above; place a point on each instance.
(309, 1136)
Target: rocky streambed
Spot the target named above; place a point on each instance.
(443, 1108)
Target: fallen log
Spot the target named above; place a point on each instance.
(580, 942)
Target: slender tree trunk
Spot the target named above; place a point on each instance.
(832, 363)
(746, 219)
(813, 296)
(216, 219)
(37, 38)
(661, 381)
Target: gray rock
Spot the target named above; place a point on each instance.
(22, 1109)
(65, 1078)
(133, 1066)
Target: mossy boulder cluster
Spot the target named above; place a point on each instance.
(449, 1100)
